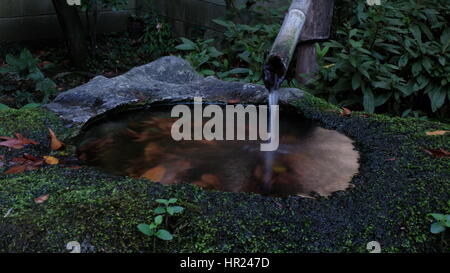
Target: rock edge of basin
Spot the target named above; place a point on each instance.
(166, 79)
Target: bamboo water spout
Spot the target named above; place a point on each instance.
(283, 48)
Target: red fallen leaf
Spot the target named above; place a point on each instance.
(25, 140)
(16, 169)
(16, 143)
(365, 115)
(346, 112)
(391, 159)
(437, 152)
(30, 157)
(41, 199)
(56, 144)
(2, 157)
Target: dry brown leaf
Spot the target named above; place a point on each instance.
(16, 169)
(56, 144)
(346, 112)
(155, 174)
(50, 160)
(75, 167)
(16, 143)
(41, 199)
(437, 133)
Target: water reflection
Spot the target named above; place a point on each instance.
(309, 159)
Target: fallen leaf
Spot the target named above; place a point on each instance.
(25, 140)
(391, 159)
(30, 157)
(437, 133)
(233, 101)
(346, 112)
(437, 152)
(16, 169)
(74, 167)
(16, 143)
(156, 173)
(56, 144)
(41, 199)
(50, 160)
(2, 157)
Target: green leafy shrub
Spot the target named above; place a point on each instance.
(394, 57)
(25, 68)
(243, 45)
(157, 38)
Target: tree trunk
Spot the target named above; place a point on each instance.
(73, 31)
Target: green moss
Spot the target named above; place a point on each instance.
(28, 122)
(389, 203)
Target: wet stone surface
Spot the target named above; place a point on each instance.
(166, 79)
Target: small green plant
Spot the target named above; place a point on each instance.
(442, 222)
(25, 68)
(165, 209)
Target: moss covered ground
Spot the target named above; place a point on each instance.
(397, 186)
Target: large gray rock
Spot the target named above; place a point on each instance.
(166, 79)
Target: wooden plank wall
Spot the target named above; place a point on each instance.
(36, 19)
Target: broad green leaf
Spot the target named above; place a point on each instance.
(159, 210)
(158, 220)
(437, 98)
(368, 101)
(4, 107)
(223, 23)
(403, 61)
(162, 201)
(164, 235)
(381, 99)
(437, 228)
(176, 209)
(207, 72)
(144, 228)
(437, 216)
(356, 81)
(172, 200)
(31, 105)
